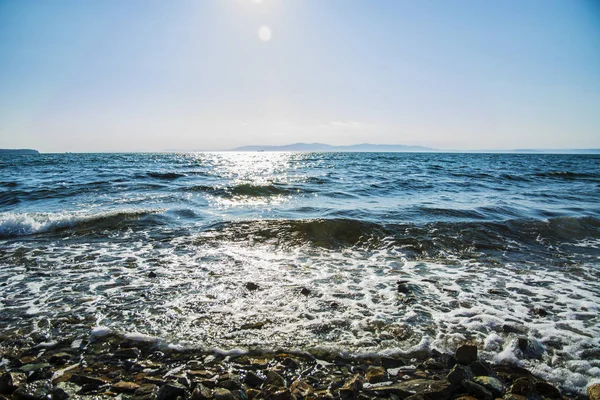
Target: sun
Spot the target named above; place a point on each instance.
(264, 33)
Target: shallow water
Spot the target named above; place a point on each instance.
(488, 247)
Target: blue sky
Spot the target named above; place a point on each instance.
(143, 75)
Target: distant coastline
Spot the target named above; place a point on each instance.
(18, 151)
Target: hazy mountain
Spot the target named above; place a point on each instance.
(364, 147)
(18, 151)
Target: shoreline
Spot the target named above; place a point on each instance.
(115, 367)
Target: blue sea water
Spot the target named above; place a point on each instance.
(354, 252)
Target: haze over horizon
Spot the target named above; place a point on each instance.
(214, 75)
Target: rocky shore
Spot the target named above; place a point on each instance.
(114, 367)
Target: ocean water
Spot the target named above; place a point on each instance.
(352, 252)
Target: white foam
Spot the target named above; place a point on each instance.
(21, 224)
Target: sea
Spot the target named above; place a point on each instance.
(354, 253)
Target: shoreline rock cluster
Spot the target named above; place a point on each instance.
(115, 368)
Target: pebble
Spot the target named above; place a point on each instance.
(593, 391)
(466, 354)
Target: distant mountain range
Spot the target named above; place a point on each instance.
(18, 151)
(364, 147)
(368, 147)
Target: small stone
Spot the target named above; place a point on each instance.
(274, 379)
(10, 381)
(481, 368)
(530, 348)
(223, 394)
(125, 387)
(523, 386)
(232, 384)
(391, 362)
(251, 286)
(89, 382)
(301, 389)
(128, 353)
(511, 396)
(351, 388)
(547, 390)
(593, 391)
(60, 358)
(152, 274)
(34, 390)
(171, 391)
(477, 390)
(201, 393)
(252, 379)
(282, 394)
(458, 374)
(304, 291)
(252, 393)
(290, 363)
(466, 354)
(146, 392)
(492, 384)
(376, 375)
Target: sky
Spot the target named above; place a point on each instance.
(154, 75)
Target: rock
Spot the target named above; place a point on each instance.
(201, 393)
(301, 389)
(128, 353)
(510, 396)
(547, 390)
(34, 391)
(152, 274)
(251, 286)
(223, 394)
(60, 358)
(433, 364)
(10, 381)
(492, 384)
(146, 392)
(89, 382)
(351, 387)
(458, 374)
(430, 389)
(593, 391)
(376, 374)
(540, 312)
(290, 363)
(252, 393)
(466, 398)
(274, 379)
(304, 291)
(530, 348)
(125, 387)
(523, 386)
(282, 394)
(466, 354)
(391, 362)
(252, 379)
(232, 384)
(481, 368)
(171, 391)
(65, 390)
(477, 390)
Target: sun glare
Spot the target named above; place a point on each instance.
(264, 33)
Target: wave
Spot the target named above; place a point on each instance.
(244, 190)
(165, 175)
(567, 175)
(417, 240)
(24, 224)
